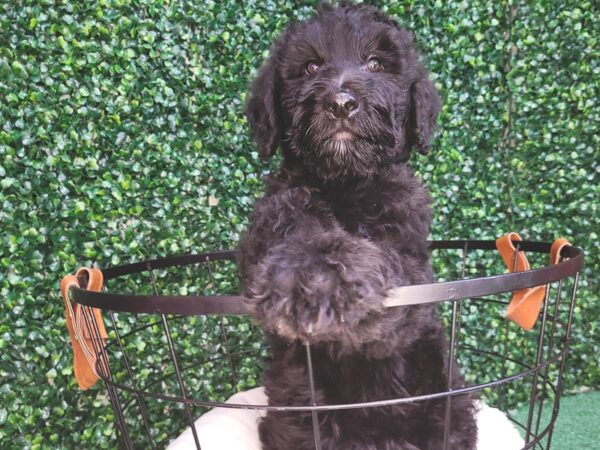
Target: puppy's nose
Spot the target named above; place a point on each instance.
(341, 105)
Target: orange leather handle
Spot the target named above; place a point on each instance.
(85, 326)
(525, 305)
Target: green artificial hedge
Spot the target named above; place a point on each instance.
(122, 138)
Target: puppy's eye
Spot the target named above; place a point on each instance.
(312, 68)
(374, 65)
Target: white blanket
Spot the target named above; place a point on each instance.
(236, 429)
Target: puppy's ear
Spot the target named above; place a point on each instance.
(262, 109)
(424, 109)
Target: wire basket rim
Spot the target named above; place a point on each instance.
(409, 295)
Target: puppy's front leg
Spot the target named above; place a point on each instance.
(306, 277)
(315, 285)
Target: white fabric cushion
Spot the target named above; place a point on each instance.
(237, 429)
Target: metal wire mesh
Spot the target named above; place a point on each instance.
(175, 323)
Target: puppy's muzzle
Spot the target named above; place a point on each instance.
(341, 105)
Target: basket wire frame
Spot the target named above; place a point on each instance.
(551, 349)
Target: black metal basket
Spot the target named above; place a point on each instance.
(139, 379)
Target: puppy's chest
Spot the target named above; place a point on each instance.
(364, 216)
(372, 211)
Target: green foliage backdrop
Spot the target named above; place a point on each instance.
(122, 138)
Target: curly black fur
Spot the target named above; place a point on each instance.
(343, 220)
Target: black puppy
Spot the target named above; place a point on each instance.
(343, 220)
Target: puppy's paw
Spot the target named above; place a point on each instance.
(319, 288)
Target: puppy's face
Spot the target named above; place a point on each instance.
(343, 94)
